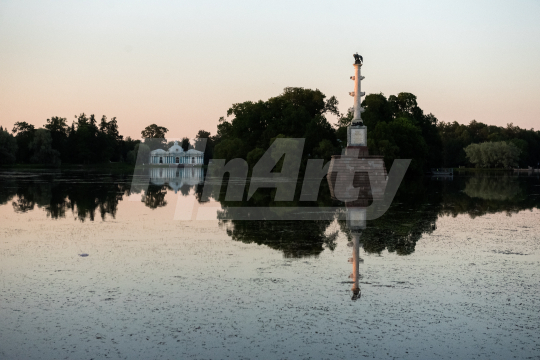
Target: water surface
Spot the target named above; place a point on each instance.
(451, 270)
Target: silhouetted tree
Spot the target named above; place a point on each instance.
(24, 134)
(8, 147)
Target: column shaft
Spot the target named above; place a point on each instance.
(357, 92)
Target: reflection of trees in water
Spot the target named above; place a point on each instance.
(155, 196)
(40, 194)
(8, 189)
(420, 201)
(479, 196)
(499, 188)
(84, 195)
(294, 238)
(184, 190)
(413, 213)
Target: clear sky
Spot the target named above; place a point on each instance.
(181, 64)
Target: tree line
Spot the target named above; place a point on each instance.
(521, 145)
(397, 129)
(86, 141)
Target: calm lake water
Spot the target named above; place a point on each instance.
(93, 266)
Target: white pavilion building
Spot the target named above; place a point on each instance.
(176, 156)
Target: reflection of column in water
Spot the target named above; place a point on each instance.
(356, 260)
(356, 222)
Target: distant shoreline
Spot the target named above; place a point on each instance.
(102, 166)
(120, 167)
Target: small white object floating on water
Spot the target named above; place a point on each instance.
(83, 255)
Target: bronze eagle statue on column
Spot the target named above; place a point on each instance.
(358, 59)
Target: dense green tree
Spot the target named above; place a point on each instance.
(186, 145)
(24, 134)
(42, 151)
(154, 136)
(86, 135)
(456, 137)
(109, 140)
(139, 155)
(154, 131)
(404, 105)
(231, 149)
(397, 129)
(126, 146)
(400, 139)
(493, 154)
(85, 141)
(210, 143)
(8, 147)
(59, 130)
(297, 113)
(70, 153)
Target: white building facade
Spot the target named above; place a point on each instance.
(176, 155)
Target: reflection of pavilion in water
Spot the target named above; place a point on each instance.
(176, 177)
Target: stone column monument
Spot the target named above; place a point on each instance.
(355, 177)
(357, 132)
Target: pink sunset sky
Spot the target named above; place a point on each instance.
(181, 64)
